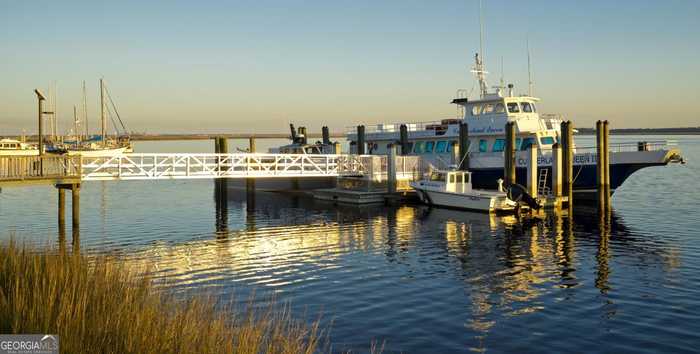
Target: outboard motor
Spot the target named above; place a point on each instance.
(518, 194)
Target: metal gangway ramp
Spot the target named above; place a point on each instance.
(150, 166)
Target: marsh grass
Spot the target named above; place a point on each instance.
(101, 306)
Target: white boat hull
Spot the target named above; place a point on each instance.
(478, 200)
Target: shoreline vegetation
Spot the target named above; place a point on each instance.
(99, 305)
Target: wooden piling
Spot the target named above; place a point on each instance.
(250, 182)
(360, 139)
(463, 146)
(61, 209)
(532, 171)
(606, 136)
(509, 155)
(403, 139)
(556, 172)
(326, 135)
(567, 132)
(75, 214)
(391, 169)
(600, 164)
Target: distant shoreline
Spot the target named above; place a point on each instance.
(581, 131)
(645, 131)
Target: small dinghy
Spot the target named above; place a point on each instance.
(453, 189)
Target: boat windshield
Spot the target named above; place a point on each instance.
(437, 177)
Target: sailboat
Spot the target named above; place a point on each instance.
(101, 145)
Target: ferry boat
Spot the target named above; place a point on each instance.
(453, 189)
(486, 118)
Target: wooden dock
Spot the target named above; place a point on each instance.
(46, 169)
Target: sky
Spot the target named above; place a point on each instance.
(256, 66)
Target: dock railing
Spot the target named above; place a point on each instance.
(28, 168)
(243, 165)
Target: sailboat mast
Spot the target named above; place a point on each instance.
(75, 124)
(85, 119)
(103, 113)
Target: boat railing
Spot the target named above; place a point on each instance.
(396, 127)
(653, 145)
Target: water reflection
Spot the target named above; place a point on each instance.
(402, 271)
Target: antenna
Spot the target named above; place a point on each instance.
(502, 83)
(481, 32)
(529, 69)
(479, 59)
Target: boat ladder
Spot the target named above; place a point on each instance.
(542, 188)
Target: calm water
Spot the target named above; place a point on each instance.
(422, 280)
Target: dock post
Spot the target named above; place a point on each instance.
(326, 135)
(61, 208)
(403, 139)
(509, 154)
(251, 145)
(532, 171)
(360, 139)
(463, 146)
(41, 99)
(250, 181)
(567, 131)
(556, 172)
(606, 166)
(75, 214)
(391, 169)
(600, 164)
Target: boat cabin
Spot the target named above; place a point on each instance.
(455, 181)
(10, 144)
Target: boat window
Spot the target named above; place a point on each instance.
(476, 109)
(483, 145)
(410, 146)
(452, 178)
(437, 177)
(527, 142)
(466, 177)
(546, 140)
(441, 146)
(534, 109)
(517, 144)
(459, 178)
(498, 145)
(527, 108)
(450, 144)
(499, 108)
(418, 147)
(513, 107)
(429, 147)
(488, 108)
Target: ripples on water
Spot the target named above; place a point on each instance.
(423, 280)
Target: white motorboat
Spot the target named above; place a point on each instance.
(12, 147)
(453, 189)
